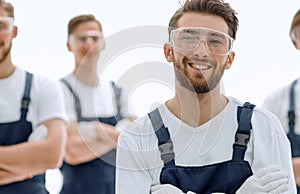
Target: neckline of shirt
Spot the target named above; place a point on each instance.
(166, 115)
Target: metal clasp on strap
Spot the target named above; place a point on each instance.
(291, 116)
(241, 139)
(166, 151)
(25, 104)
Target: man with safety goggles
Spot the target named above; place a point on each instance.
(202, 141)
(30, 105)
(95, 108)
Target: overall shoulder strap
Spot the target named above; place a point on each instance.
(242, 136)
(118, 91)
(26, 96)
(77, 101)
(291, 112)
(165, 144)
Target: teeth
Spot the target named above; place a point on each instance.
(200, 67)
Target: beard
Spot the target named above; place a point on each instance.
(5, 52)
(198, 84)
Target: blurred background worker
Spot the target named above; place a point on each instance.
(32, 126)
(285, 104)
(94, 108)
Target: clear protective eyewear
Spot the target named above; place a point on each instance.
(94, 36)
(189, 39)
(295, 32)
(6, 24)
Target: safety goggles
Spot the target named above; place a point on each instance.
(6, 24)
(189, 38)
(88, 36)
(295, 33)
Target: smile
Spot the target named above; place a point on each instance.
(199, 66)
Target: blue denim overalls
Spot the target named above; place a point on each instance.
(225, 177)
(96, 176)
(293, 137)
(15, 133)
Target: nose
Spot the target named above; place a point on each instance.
(90, 40)
(201, 48)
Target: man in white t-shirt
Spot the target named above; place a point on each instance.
(32, 120)
(94, 108)
(284, 104)
(201, 141)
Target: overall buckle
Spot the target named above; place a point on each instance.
(241, 139)
(166, 151)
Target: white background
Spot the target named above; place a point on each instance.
(265, 57)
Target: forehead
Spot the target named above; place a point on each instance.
(87, 26)
(193, 19)
(3, 13)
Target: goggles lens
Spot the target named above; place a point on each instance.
(189, 38)
(295, 33)
(6, 24)
(94, 36)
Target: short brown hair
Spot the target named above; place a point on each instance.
(7, 7)
(295, 23)
(74, 22)
(215, 7)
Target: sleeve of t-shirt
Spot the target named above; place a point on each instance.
(127, 105)
(268, 103)
(132, 174)
(50, 100)
(276, 100)
(272, 148)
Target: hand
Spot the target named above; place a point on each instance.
(105, 132)
(268, 180)
(166, 189)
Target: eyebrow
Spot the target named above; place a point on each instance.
(217, 34)
(191, 31)
(195, 31)
(88, 35)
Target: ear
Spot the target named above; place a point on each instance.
(15, 31)
(168, 52)
(230, 59)
(69, 46)
(297, 43)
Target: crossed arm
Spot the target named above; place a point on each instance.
(21, 161)
(89, 140)
(296, 168)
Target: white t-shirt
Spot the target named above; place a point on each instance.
(138, 158)
(96, 101)
(46, 101)
(278, 102)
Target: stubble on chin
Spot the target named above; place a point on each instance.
(197, 85)
(5, 51)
